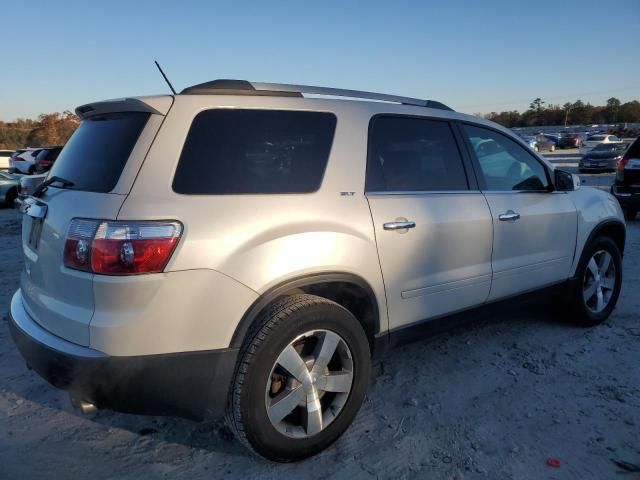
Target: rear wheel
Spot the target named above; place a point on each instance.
(630, 214)
(598, 282)
(301, 379)
(11, 196)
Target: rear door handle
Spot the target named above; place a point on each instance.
(399, 225)
(509, 216)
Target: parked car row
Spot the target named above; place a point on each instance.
(33, 160)
(5, 155)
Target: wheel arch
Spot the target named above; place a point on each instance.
(611, 228)
(350, 291)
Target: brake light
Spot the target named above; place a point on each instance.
(622, 163)
(120, 248)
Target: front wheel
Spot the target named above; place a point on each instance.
(597, 283)
(302, 376)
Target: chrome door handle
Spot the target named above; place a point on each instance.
(509, 216)
(399, 225)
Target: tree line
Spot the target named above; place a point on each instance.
(48, 129)
(576, 113)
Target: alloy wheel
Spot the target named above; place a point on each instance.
(309, 383)
(599, 281)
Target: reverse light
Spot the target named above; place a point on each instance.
(120, 248)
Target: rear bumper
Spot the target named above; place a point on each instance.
(626, 198)
(192, 385)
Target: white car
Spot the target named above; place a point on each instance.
(594, 140)
(24, 162)
(241, 250)
(5, 155)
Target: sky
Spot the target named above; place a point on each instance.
(475, 56)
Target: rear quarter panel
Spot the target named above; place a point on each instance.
(261, 241)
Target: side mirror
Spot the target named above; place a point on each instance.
(565, 181)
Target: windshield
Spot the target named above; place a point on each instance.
(97, 152)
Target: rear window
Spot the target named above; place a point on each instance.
(97, 152)
(255, 151)
(596, 138)
(634, 149)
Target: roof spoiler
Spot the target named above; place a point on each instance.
(158, 105)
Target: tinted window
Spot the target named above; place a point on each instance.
(413, 154)
(596, 138)
(97, 152)
(504, 163)
(255, 151)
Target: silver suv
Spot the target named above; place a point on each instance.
(242, 249)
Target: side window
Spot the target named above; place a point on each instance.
(235, 151)
(413, 154)
(504, 163)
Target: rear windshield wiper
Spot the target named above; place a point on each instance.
(55, 179)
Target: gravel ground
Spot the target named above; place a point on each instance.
(493, 399)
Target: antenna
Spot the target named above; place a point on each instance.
(165, 78)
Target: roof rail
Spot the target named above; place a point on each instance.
(243, 87)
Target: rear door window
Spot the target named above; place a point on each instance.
(230, 151)
(96, 153)
(413, 154)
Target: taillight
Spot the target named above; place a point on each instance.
(622, 163)
(120, 248)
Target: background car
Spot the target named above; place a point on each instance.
(603, 157)
(29, 183)
(554, 137)
(570, 140)
(594, 140)
(8, 188)
(46, 157)
(25, 161)
(544, 143)
(626, 187)
(5, 155)
(531, 142)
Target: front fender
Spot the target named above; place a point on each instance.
(596, 208)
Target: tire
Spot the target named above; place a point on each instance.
(32, 170)
(10, 198)
(630, 214)
(291, 331)
(584, 311)
(581, 170)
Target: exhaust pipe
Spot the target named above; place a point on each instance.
(85, 406)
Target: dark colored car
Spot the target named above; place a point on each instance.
(46, 158)
(8, 188)
(545, 143)
(626, 187)
(570, 140)
(603, 157)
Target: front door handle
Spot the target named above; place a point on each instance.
(509, 216)
(399, 225)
